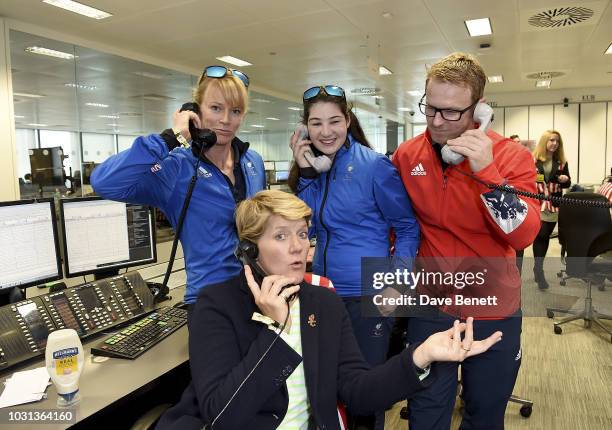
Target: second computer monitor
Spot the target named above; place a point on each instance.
(29, 251)
(101, 236)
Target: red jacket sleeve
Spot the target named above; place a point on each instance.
(516, 219)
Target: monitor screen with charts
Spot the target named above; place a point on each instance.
(29, 247)
(104, 235)
(281, 176)
(282, 165)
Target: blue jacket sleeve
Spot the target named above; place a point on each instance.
(143, 174)
(393, 201)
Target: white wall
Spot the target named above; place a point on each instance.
(586, 129)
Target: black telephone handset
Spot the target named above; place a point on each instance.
(483, 114)
(202, 139)
(247, 253)
(319, 161)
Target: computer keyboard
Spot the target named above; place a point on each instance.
(142, 335)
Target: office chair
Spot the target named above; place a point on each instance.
(586, 233)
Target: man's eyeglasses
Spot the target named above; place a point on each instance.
(330, 90)
(221, 71)
(447, 114)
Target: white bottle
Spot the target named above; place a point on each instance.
(65, 359)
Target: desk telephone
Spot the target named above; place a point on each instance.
(88, 309)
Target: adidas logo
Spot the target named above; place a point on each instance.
(418, 170)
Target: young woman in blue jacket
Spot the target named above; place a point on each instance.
(355, 204)
(156, 170)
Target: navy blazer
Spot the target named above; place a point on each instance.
(225, 344)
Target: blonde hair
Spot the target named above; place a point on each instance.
(231, 87)
(460, 69)
(540, 151)
(252, 214)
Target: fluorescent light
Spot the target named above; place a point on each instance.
(109, 116)
(260, 100)
(34, 96)
(404, 109)
(19, 116)
(387, 15)
(81, 86)
(245, 131)
(294, 108)
(149, 75)
(495, 79)
(79, 8)
(609, 50)
(383, 71)
(50, 52)
(479, 27)
(271, 118)
(33, 124)
(414, 93)
(543, 83)
(233, 60)
(379, 97)
(257, 125)
(100, 105)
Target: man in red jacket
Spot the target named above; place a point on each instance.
(461, 218)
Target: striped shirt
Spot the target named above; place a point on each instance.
(606, 190)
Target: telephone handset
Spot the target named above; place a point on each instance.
(247, 253)
(483, 114)
(319, 161)
(202, 139)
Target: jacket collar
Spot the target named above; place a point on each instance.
(241, 146)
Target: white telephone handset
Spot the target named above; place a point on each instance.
(322, 163)
(483, 114)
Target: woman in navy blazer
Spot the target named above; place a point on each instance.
(239, 344)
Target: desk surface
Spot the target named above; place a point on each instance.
(103, 383)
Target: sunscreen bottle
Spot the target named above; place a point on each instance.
(65, 359)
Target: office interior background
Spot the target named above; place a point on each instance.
(549, 64)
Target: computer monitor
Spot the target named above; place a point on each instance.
(268, 165)
(281, 176)
(102, 236)
(282, 165)
(29, 246)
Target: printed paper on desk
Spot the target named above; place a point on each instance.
(25, 387)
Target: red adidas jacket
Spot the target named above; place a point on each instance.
(460, 217)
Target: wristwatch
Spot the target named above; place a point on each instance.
(181, 139)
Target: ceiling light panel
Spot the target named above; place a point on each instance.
(479, 27)
(50, 52)
(79, 8)
(234, 61)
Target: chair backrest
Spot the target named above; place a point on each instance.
(584, 232)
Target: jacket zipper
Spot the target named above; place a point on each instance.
(321, 215)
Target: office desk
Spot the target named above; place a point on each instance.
(104, 384)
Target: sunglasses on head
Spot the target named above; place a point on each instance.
(330, 90)
(221, 71)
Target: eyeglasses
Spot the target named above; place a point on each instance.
(330, 90)
(221, 71)
(447, 114)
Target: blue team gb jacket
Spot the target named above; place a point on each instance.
(147, 173)
(354, 206)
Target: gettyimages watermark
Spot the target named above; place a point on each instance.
(491, 287)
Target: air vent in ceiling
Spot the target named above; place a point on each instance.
(544, 75)
(561, 17)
